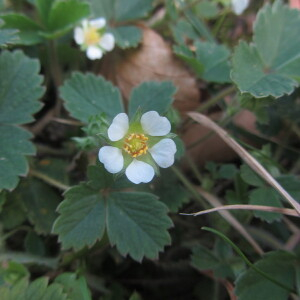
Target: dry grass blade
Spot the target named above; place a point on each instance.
(250, 160)
(215, 202)
(284, 211)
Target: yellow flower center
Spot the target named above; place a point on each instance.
(136, 144)
(91, 36)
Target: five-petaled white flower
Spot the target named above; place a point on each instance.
(93, 39)
(138, 146)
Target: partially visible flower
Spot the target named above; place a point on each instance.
(93, 39)
(137, 147)
(238, 6)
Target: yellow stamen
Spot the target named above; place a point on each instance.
(136, 144)
(92, 36)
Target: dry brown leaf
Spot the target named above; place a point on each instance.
(154, 60)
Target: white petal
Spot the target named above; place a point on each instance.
(94, 52)
(112, 158)
(85, 24)
(107, 42)
(239, 6)
(163, 153)
(138, 171)
(98, 23)
(79, 35)
(154, 124)
(118, 127)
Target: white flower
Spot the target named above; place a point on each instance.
(93, 39)
(238, 6)
(137, 147)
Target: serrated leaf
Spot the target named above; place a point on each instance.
(270, 66)
(136, 223)
(20, 88)
(119, 10)
(64, 14)
(75, 288)
(40, 203)
(269, 197)
(88, 95)
(37, 290)
(132, 9)
(28, 29)
(250, 177)
(277, 264)
(82, 220)
(127, 36)
(8, 36)
(151, 95)
(13, 162)
(214, 58)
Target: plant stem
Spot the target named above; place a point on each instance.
(189, 186)
(49, 180)
(247, 261)
(12, 232)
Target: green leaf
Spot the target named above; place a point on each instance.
(215, 59)
(75, 288)
(64, 14)
(7, 36)
(136, 223)
(28, 29)
(40, 203)
(250, 177)
(269, 197)
(44, 7)
(82, 220)
(227, 171)
(270, 66)
(151, 95)
(20, 88)
(127, 36)
(120, 10)
(88, 95)
(291, 184)
(12, 272)
(279, 265)
(132, 9)
(34, 244)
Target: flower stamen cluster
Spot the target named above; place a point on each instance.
(136, 144)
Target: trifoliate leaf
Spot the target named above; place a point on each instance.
(269, 197)
(136, 223)
(271, 65)
(20, 88)
(127, 36)
(86, 95)
(37, 290)
(278, 265)
(151, 95)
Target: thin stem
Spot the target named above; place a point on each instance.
(9, 234)
(247, 261)
(49, 180)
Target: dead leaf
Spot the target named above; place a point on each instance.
(154, 60)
